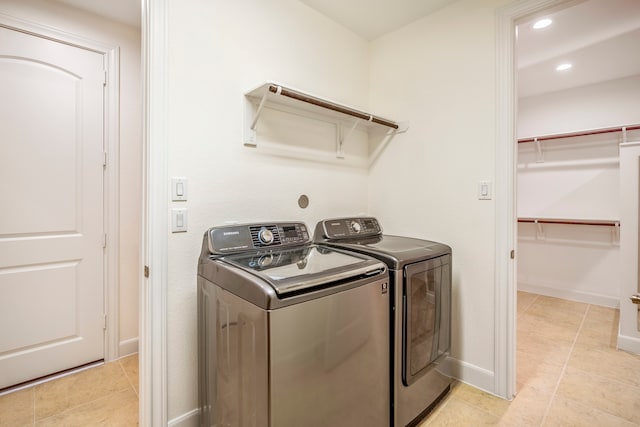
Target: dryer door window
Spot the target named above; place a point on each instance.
(425, 320)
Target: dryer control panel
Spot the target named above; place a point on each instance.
(346, 228)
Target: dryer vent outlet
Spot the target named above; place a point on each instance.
(303, 201)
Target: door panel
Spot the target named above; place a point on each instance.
(44, 137)
(51, 222)
(426, 316)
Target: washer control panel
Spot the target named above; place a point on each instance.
(344, 228)
(235, 238)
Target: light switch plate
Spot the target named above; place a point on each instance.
(178, 189)
(485, 190)
(178, 220)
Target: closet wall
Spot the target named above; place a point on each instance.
(575, 179)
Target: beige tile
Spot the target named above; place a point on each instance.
(541, 347)
(537, 373)
(16, 409)
(525, 299)
(568, 413)
(609, 363)
(539, 325)
(600, 327)
(442, 405)
(130, 366)
(568, 314)
(527, 408)
(480, 399)
(455, 412)
(58, 396)
(118, 409)
(615, 398)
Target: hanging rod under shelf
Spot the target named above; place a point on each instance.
(303, 97)
(597, 222)
(580, 133)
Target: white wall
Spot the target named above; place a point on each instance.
(606, 104)
(439, 73)
(93, 27)
(218, 50)
(579, 179)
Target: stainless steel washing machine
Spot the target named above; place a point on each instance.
(420, 277)
(290, 333)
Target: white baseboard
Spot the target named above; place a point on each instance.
(189, 419)
(630, 344)
(570, 294)
(128, 347)
(469, 374)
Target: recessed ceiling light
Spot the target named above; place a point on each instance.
(563, 67)
(543, 23)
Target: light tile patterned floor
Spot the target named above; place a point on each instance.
(568, 373)
(103, 396)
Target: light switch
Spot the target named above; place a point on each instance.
(484, 190)
(178, 189)
(178, 220)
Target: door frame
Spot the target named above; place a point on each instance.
(153, 405)
(506, 229)
(111, 141)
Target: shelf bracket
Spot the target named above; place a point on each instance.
(342, 138)
(254, 116)
(540, 154)
(539, 230)
(258, 111)
(615, 233)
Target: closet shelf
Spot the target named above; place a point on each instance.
(597, 222)
(284, 98)
(622, 129)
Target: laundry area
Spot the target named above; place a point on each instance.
(412, 213)
(401, 129)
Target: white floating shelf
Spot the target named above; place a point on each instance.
(284, 98)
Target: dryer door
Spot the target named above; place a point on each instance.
(426, 316)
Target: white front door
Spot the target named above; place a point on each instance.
(51, 207)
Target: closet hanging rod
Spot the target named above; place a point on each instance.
(598, 222)
(583, 133)
(279, 90)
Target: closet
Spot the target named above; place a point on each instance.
(569, 214)
(572, 122)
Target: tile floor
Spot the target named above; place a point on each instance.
(568, 374)
(103, 396)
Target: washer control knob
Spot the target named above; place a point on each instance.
(355, 226)
(265, 236)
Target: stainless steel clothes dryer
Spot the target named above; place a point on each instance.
(420, 277)
(290, 333)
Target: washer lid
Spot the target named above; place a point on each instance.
(296, 269)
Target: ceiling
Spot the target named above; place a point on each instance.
(599, 37)
(373, 18)
(126, 12)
